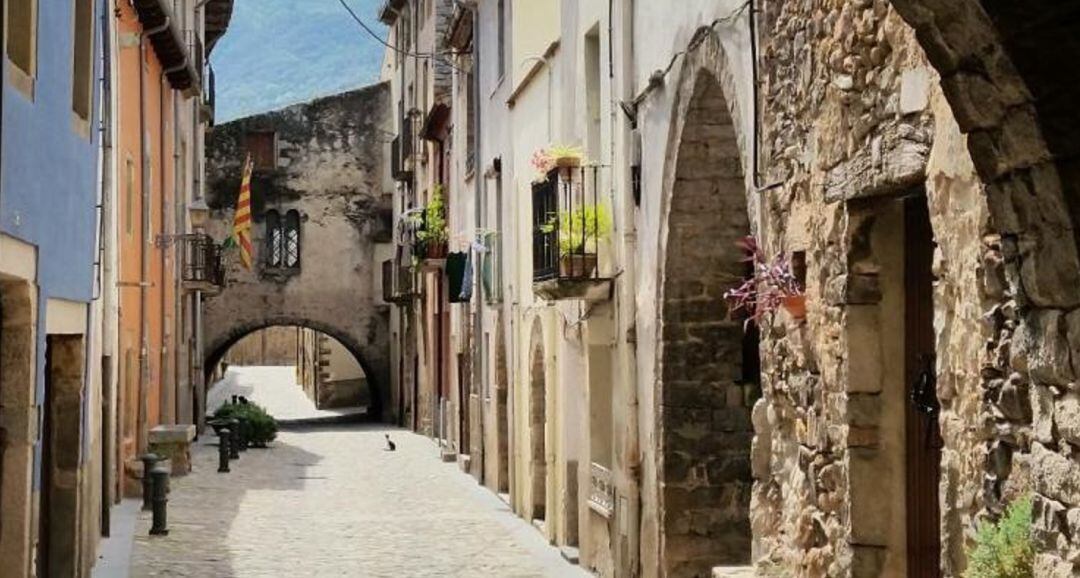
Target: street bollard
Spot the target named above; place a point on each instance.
(234, 447)
(160, 475)
(243, 426)
(224, 441)
(149, 460)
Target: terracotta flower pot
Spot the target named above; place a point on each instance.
(577, 265)
(796, 306)
(437, 251)
(568, 162)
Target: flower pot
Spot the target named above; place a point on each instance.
(577, 265)
(568, 162)
(436, 250)
(796, 306)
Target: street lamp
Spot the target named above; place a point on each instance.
(198, 213)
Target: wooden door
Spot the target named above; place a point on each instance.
(923, 438)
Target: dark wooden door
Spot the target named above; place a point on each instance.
(923, 438)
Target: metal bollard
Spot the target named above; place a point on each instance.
(224, 441)
(160, 475)
(243, 426)
(234, 447)
(149, 460)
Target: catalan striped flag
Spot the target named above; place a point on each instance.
(242, 220)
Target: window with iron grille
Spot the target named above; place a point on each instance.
(273, 239)
(292, 239)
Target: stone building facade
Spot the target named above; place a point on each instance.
(320, 222)
(914, 164)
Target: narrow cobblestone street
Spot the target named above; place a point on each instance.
(330, 501)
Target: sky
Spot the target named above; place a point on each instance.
(281, 52)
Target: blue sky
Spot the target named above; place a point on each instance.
(280, 52)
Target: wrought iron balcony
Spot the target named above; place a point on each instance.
(399, 278)
(204, 269)
(570, 223)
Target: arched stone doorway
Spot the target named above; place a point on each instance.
(538, 424)
(708, 363)
(1001, 68)
(217, 349)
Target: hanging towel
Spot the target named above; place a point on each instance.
(455, 274)
(467, 280)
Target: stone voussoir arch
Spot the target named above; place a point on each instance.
(217, 345)
(705, 195)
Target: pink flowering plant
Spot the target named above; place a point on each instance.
(771, 285)
(556, 155)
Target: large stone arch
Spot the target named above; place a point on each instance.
(1003, 69)
(703, 395)
(218, 344)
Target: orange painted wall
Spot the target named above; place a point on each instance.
(160, 355)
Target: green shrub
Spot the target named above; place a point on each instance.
(1004, 550)
(261, 427)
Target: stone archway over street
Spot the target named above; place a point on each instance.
(322, 273)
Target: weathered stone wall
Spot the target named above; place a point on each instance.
(707, 388)
(853, 120)
(329, 157)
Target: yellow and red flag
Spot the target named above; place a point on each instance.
(242, 219)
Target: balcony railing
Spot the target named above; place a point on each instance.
(204, 269)
(570, 222)
(398, 286)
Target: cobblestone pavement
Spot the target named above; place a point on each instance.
(275, 389)
(330, 501)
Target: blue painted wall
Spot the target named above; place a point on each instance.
(49, 172)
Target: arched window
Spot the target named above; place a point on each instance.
(292, 239)
(273, 239)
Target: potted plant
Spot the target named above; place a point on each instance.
(580, 231)
(432, 234)
(771, 285)
(556, 156)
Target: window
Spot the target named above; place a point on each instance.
(292, 239)
(262, 146)
(283, 240)
(129, 195)
(21, 32)
(83, 69)
(273, 239)
(502, 39)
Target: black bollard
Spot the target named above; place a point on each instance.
(149, 460)
(224, 441)
(234, 446)
(160, 475)
(242, 424)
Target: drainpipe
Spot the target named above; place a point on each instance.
(180, 200)
(144, 231)
(106, 282)
(163, 247)
(479, 343)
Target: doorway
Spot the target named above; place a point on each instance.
(538, 425)
(923, 441)
(61, 442)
